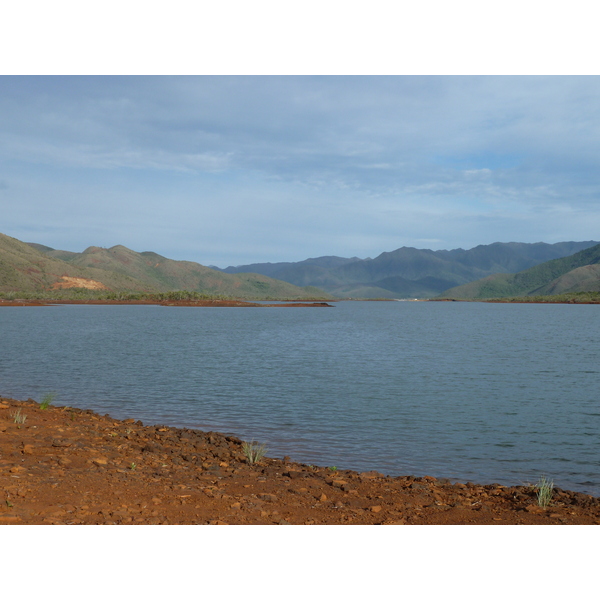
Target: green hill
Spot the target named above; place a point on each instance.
(36, 268)
(26, 269)
(411, 272)
(579, 272)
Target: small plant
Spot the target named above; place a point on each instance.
(9, 504)
(18, 417)
(133, 466)
(333, 469)
(47, 400)
(544, 488)
(253, 451)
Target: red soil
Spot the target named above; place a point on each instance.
(199, 303)
(70, 466)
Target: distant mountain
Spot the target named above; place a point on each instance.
(483, 271)
(579, 272)
(34, 267)
(410, 272)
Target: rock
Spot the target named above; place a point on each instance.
(60, 443)
(370, 475)
(100, 461)
(27, 449)
(339, 483)
(375, 509)
(323, 498)
(418, 486)
(535, 509)
(17, 469)
(268, 497)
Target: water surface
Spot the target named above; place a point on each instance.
(469, 391)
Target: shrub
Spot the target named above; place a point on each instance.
(18, 417)
(544, 489)
(253, 451)
(47, 400)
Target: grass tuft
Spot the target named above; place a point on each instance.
(18, 417)
(47, 400)
(544, 488)
(253, 451)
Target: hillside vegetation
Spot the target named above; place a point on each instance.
(410, 272)
(34, 268)
(579, 272)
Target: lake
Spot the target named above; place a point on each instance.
(467, 391)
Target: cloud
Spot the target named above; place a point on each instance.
(325, 159)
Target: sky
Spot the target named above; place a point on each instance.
(231, 170)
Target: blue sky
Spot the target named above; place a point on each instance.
(228, 170)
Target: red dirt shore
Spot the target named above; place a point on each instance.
(200, 303)
(70, 466)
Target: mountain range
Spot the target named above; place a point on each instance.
(410, 272)
(494, 270)
(35, 268)
(579, 272)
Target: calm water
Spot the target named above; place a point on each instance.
(472, 392)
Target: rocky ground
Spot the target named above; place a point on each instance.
(64, 465)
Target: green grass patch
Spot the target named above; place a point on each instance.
(47, 400)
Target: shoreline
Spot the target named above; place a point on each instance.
(501, 301)
(67, 465)
(186, 303)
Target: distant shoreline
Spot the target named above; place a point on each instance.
(279, 303)
(514, 301)
(187, 303)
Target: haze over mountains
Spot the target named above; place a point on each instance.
(412, 273)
